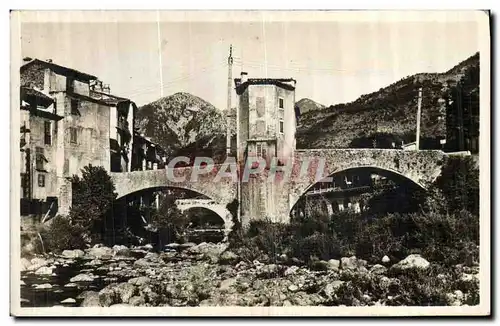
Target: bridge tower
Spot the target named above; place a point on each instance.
(267, 125)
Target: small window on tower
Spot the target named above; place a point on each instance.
(47, 133)
(261, 150)
(281, 103)
(282, 126)
(260, 104)
(41, 180)
(74, 107)
(73, 135)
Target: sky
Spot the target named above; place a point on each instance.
(332, 61)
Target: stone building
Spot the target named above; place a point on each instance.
(68, 121)
(267, 130)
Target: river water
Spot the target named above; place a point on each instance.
(62, 274)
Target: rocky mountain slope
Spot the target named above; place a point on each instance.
(307, 105)
(390, 110)
(184, 124)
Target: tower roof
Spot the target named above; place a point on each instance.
(285, 83)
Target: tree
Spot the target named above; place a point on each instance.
(169, 222)
(93, 197)
(459, 183)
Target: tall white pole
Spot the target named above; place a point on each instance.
(419, 113)
(228, 118)
(159, 52)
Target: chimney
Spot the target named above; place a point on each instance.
(244, 76)
(27, 59)
(49, 60)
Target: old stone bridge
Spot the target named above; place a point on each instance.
(420, 167)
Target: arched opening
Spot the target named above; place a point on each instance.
(205, 225)
(359, 189)
(131, 218)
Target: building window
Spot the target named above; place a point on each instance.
(47, 133)
(70, 85)
(73, 135)
(41, 180)
(281, 103)
(261, 150)
(282, 126)
(40, 159)
(281, 117)
(261, 106)
(74, 107)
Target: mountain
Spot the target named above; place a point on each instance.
(391, 111)
(306, 105)
(184, 124)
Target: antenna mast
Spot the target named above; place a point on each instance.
(228, 117)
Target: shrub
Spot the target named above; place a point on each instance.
(60, 235)
(171, 224)
(316, 246)
(459, 182)
(93, 197)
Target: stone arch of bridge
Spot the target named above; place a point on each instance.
(301, 189)
(218, 209)
(127, 183)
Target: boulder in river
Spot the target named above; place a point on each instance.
(45, 270)
(77, 253)
(413, 261)
(82, 278)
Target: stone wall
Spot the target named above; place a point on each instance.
(222, 192)
(421, 167)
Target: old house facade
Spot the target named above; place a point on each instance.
(68, 121)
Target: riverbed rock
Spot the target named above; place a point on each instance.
(36, 263)
(139, 281)
(353, 264)
(82, 278)
(43, 286)
(68, 300)
(226, 284)
(293, 288)
(386, 259)
(45, 270)
(378, 269)
(94, 262)
(330, 289)
(121, 251)
(70, 285)
(125, 291)
(333, 265)
(187, 245)
(268, 271)
(142, 262)
(291, 270)
(25, 264)
(413, 261)
(108, 296)
(101, 252)
(90, 299)
(137, 301)
(77, 253)
(228, 257)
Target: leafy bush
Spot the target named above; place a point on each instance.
(315, 246)
(60, 235)
(459, 182)
(93, 197)
(171, 224)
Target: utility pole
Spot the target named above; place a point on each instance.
(229, 77)
(159, 51)
(460, 118)
(419, 113)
